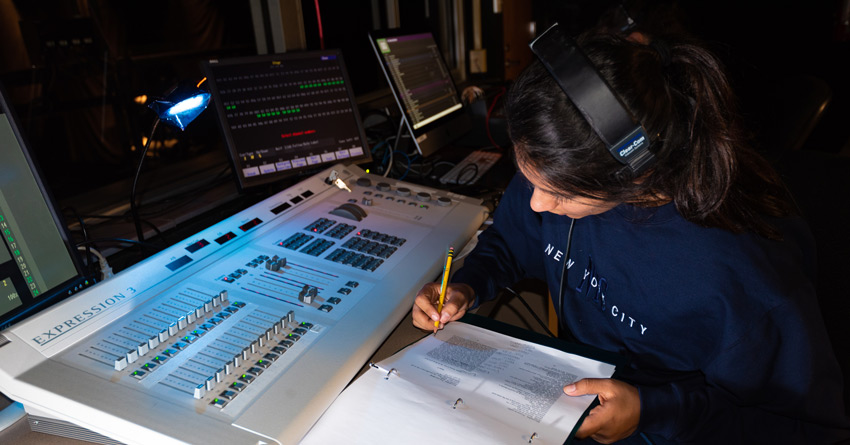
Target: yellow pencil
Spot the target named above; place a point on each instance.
(445, 283)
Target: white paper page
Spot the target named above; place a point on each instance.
(510, 389)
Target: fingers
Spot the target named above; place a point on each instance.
(424, 306)
(457, 301)
(589, 386)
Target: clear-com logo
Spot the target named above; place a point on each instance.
(73, 322)
(632, 146)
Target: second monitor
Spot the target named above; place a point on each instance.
(423, 87)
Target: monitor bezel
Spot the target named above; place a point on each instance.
(252, 183)
(70, 286)
(420, 136)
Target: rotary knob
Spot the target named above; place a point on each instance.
(403, 191)
(383, 186)
(423, 196)
(443, 201)
(364, 182)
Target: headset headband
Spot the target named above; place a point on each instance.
(622, 134)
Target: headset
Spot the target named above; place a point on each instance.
(623, 135)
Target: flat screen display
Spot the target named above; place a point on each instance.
(286, 114)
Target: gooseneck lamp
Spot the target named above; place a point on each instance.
(178, 109)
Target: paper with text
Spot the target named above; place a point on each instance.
(510, 389)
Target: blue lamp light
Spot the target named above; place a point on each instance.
(178, 109)
(182, 105)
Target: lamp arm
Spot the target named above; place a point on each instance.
(134, 211)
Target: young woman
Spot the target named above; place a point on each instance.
(695, 269)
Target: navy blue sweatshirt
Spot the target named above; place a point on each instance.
(722, 331)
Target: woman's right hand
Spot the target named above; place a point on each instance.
(459, 297)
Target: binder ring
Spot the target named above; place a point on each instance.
(533, 436)
(459, 401)
(392, 370)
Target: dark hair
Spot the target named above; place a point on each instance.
(704, 163)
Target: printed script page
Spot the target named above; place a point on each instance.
(463, 384)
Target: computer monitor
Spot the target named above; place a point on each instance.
(39, 265)
(286, 114)
(422, 86)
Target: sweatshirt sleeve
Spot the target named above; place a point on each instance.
(778, 383)
(494, 263)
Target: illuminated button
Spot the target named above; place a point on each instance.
(237, 386)
(239, 304)
(189, 338)
(218, 403)
(159, 359)
(120, 363)
(148, 367)
(132, 356)
(246, 378)
(227, 394)
(198, 332)
(293, 337)
(168, 352)
(139, 374)
(263, 363)
(306, 325)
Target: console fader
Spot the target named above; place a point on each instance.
(247, 331)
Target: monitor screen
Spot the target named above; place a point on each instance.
(38, 261)
(285, 114)
(423, 87)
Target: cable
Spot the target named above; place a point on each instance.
(134, 211)
(531, 311)
(121, 240)
(489, 114)
(105, 270)
(395, 145)
(408, 165)
(560, 308)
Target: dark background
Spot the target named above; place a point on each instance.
(77, 105)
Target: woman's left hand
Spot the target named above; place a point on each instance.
(618, 413)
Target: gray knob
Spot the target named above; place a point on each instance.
(364, 182)
(423, 196)
(383, 186)
(443, 201)
(403, 191)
